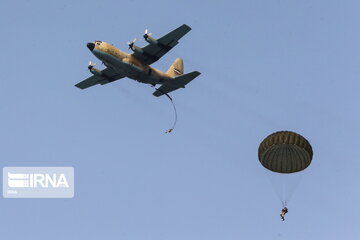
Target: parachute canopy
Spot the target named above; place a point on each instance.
(285, 152)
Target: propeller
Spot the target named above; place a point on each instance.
(131, 44)
(91, 65)
(147, 34)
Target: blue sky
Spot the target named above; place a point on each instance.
(266, 66)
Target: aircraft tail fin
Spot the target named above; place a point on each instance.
(177, 68)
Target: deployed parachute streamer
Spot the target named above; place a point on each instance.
(285, 152)
(172, 102)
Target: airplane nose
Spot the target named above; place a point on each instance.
(91, 46)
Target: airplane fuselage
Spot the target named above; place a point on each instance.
(127, 64)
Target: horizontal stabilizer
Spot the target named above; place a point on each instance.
(176, 83)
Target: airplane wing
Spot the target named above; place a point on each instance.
(153, 52)
(176, 83)
(107, 75)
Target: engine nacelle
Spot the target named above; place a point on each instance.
(95, 71)
(151, 40)
(136, 49)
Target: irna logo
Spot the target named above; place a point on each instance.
(38, 182)
(23, 180)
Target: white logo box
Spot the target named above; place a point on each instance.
(38, 182)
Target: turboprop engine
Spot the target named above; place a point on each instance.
(133, 47)
(94, 70)
(149, 39)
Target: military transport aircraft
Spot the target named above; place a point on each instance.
(136, 65)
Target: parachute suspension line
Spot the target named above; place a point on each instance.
(283, 200)
(175, 112)
(282, 193)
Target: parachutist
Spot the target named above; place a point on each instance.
(283, 212)
(169, 130)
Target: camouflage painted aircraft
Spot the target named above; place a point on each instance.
(136, 65)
